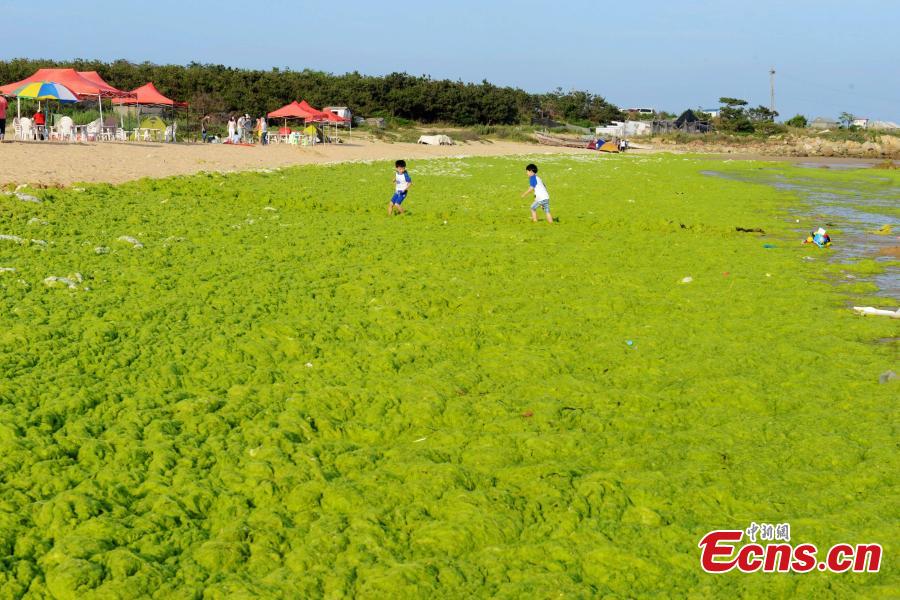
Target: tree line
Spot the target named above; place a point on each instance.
(220, 90)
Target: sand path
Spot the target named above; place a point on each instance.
(64, 164)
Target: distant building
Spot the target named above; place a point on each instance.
(860, 122)
(622, 129)
(641, 111)
(712, 112)
(341, 111)
(823, 123)
(688, 122)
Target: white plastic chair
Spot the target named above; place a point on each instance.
(26, 130)
(93, 130)
(171, 132)
(65, 130)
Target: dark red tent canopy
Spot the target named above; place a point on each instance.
(148, 95)
(318, 115)
(335, 118)
(77, 83)
(94, 77)
(294, 110)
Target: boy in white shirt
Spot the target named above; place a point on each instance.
(402, 183)
(541, 196)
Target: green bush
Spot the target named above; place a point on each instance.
(798, 121)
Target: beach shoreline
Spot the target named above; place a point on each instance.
(55, 164)
(50, 164)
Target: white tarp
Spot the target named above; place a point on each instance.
(436, 140)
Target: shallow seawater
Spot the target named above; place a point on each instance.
(835, 166)
(855, 208)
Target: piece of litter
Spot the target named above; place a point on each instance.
(309, 365)
(768, 245)
(687, 280)
(53, 280)
(419, 440)
(7, 269)
(28, 198)
(101, 250)
(877, 312)
(629, 342)
(887, 376)
(133, 241)
(11, 238)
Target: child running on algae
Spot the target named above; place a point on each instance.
(402, 183)
(541, 196)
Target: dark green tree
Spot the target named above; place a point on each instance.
(733, 115)
(761, 114)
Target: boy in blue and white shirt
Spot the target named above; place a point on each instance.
(541, 195)
(402, 183)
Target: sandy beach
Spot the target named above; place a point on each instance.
(65, 164)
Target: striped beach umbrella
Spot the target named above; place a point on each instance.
(45, 90)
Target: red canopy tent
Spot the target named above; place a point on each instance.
(293, 110)
(148, 95)
(303, 110)
(83, 87)
(80, 85)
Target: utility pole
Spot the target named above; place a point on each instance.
(772, 89)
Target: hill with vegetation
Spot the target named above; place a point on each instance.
(219, 90)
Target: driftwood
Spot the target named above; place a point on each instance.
(549, 140)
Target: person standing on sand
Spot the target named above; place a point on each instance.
(232, 126)
(402, 183)
(541, 195)
(3, 105)
(263, 131)
(204, 127)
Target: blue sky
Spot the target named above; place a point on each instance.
(829, 56)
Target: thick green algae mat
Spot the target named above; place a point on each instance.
(285, 393)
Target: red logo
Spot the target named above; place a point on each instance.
(721, 551)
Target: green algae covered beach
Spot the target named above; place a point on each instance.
(259, 386)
